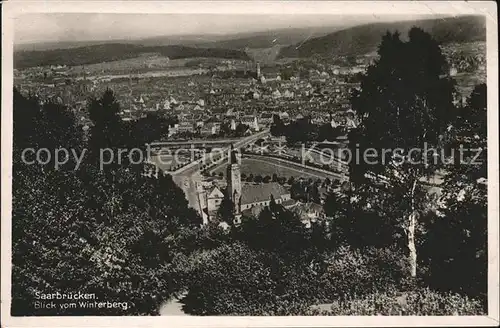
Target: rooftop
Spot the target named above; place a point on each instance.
(254, 193)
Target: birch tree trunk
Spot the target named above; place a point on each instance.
(411, 244)
(412, 221)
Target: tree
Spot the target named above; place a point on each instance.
(350, 60)
(327, 132)
(82, 230)
(275, 229)
(51, 126)
(225, 212)
(335, 204)
(277, 127)
(405, 103)
(151, 128)
(455, 242)
(286, 73)
(474, 114)
(241, 129)
(360, 226)
(108, 130)
(258, 179)
(220, 285)
(313, 193)
(91, 233)
(225, 129)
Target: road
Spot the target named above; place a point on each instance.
(173, 307)
(202, 142)
(188, 176)
(195, 165)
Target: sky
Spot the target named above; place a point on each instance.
(34, 28)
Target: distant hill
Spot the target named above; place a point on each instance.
(52, 45)
(115, 51)
(366, 38)
(270, 38)
(259, 39)
(264, 56)
(185, 40)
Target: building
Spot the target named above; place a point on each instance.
(289, 94)
(251, 121)
(244, 196)
(266, 118)
(214, 198)
(210, 128)
(260, 195)
(308, 212)
(233, 176)
(276, 94)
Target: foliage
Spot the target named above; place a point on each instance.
(473, 116)
(260, 283)
(107, 131)
(416, 303)
(455, 249)
(358, 226)
(151, 128)
(455, 246)
(305, 191)
(276, 230)
(353, 272)
(363, 39)
(51, 126)
(403, 109)
(111, 52)
(87, 230)
(225, 213)
(302, 130)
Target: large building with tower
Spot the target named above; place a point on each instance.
(244, 196)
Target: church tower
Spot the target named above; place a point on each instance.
(202, 202)
(258, 70)
(233, 176)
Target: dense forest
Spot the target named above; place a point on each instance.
(363, 39)
(115, 51)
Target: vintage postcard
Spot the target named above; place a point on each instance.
(249, 163)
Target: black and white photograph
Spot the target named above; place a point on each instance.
(236, 160)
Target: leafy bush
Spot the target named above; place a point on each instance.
(350, 272)
(418, 302)
(236, 280)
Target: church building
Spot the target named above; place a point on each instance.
(244, 196)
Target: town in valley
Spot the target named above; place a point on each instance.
(252, 127)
